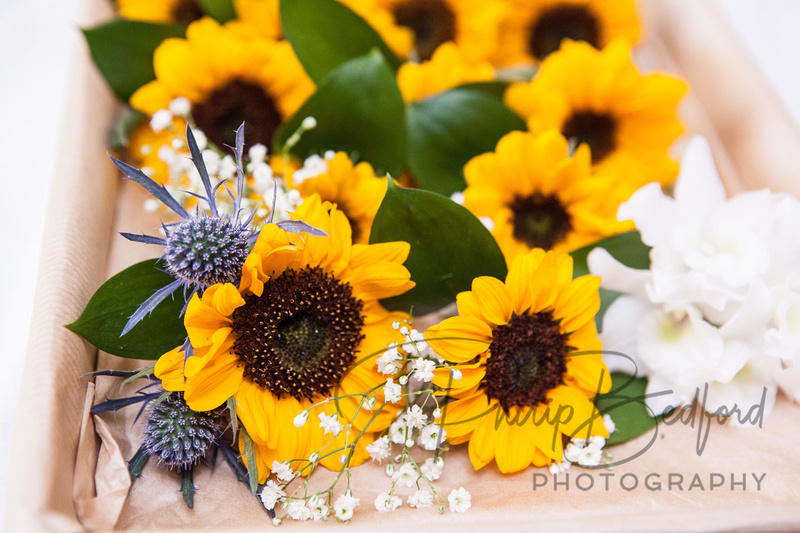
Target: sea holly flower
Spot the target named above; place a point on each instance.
(528, 349)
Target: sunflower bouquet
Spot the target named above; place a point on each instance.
(378, 219)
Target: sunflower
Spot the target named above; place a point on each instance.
(530, 363)
(179, 11)
(301, 327)
(263, 16)
(229, 79)
(539, 197)
(355, 190)
(471, 24)
(599, 98)
(533, 29)
(445, 70)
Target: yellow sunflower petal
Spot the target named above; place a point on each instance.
(493, 298)
(169, 369)
(460, 338)
(214, 384)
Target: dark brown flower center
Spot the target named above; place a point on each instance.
(300, 336)
(527, 360)
(227, 107)
(186, 11)
(596, 130)
(432, 21)
(562, 22)
(540, 221)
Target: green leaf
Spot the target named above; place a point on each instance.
(137, 462)
(115, 301)
(326, 33)
(447, 130)
(220, 10)
(123, 51)
(359, 110)
(449, 247)
(626, 248)
(495, 89)
(252, 466)
(187, 487)
(625, 404)
(123, 126)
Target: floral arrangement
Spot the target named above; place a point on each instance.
(395, 227)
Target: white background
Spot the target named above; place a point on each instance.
(36, 37)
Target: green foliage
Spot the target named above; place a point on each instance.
(449, 246)
(220, 10)
(116, 300)
(326, 33)
(359, 110)
(123, 51)
(447, 130)
(625, 404)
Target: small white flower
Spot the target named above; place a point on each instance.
(201, 139)
(431, 436)
(488, 222)
(380, 449)
(297, 510)
(423, 370)
(392, 391)
(177, 144)
(180, 106)
(344, 505)
(414, 417)
(161, 120)
(398, 431)
(460, 500)
(312, 167)
(418, 340)
(330, 424)
(388, 361)
(395, 325)
(369, 404)
(227, 168)
(456, 373)
(300, 420)
(598, 442)
(283, 471)
(611, 427)
(313, 458)
(437, 413)
(591, 455)
(559, 467)
(212, 161)
(409, 443)
(420, 499)
(151, 205)
(384, 502)
(432, 469)
(407, 474)
(318, 510)
(263, 177)
(257, 153)
(271, 494)
(309, 123)
(573, 451)
(404, 330)
(458, 197)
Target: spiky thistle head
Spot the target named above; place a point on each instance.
(206, 250)
(179, 436)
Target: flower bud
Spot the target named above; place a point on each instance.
(300, 420)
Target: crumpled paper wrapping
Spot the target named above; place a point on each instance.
(55, 485)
